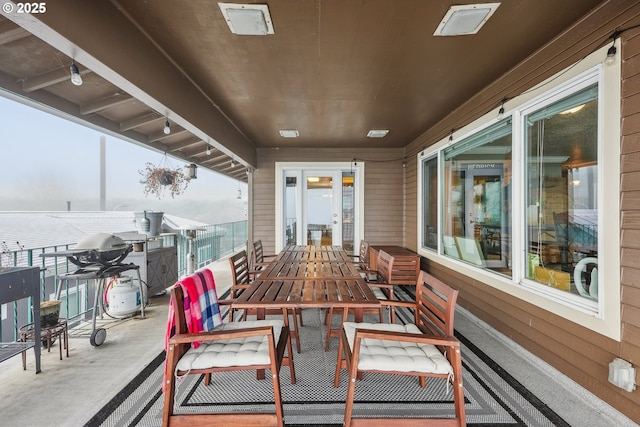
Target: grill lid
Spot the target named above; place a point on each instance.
(102, 242)
(102, 248)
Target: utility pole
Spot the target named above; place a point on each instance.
(103, 173)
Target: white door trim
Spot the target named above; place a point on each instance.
(281, 167)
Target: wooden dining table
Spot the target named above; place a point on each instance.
(296, 279)
(308, 277)
(311, 252)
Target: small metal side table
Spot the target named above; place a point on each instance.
(17, 283)
(48, 334)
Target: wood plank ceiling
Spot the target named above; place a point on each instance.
(332, 70)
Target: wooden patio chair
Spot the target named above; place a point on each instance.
(209, 346)
(259, 259)
(424, 348)
(381, 289)
(242, 277)
(362, 259)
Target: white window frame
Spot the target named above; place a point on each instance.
(602, 316)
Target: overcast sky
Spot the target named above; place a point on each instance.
(45, 157)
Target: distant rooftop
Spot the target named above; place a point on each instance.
(29, 230)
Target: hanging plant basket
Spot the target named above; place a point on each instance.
(158, 179)
(166, 178)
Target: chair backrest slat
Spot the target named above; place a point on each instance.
(364, 252)
(384, 266)
(240, 268)
(258, 252)
(435, 305)
(178, 303)
(405, 270)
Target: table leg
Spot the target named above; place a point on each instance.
(66, 338)
(260, 315)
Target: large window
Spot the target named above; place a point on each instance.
(477, 198)
(561, 158)
(522, 204)
(430, 196)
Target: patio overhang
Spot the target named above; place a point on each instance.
(330, 72)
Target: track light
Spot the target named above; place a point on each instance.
(76, 78)
(208, 150)
(167, 128)
(233, 164)
(611, 54)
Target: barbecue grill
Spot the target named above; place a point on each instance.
(98, 251)
(98, 257)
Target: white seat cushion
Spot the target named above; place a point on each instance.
(232, 352)
(383, 355)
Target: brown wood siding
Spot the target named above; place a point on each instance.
(581, 354)
(383, 198)
(630, 212)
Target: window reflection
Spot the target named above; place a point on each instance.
(476, 226)
(430, 196)
(290, 200)
(562, 212)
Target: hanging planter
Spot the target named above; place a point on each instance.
(166, 178)
(158, 179)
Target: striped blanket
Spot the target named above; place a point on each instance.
(201, 308)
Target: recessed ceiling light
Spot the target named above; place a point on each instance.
(377, 133)
(289, 133)
(247, 19)
(465, 19)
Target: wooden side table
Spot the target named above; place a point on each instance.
(48, 335)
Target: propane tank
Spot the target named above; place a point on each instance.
(123, 297)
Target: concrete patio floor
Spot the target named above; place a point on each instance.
(69, 392)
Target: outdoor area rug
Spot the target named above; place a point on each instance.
(492, 396)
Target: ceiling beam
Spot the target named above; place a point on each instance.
(49, 79)
(217, 160)
(105, 103)
(119, 52)
(161, 136)
(178, 146)
(53, 104)
(9, 32)
(145, 119)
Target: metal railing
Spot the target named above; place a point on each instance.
(213, 243)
